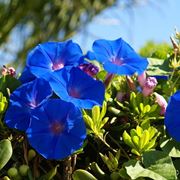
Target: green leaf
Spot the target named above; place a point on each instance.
(8, 82)
(127, 139)
(144, 139)
(96, 114)
(5, 152)
(50, 174)
(158, 67)
(171, 147)
(135, 170)
(81, 174)
(104, 109)
(160, 163)
(104, 121)
(101, 75)
(88, 121)
(98, 171)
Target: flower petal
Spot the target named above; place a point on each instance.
(172, 120)
(17, 116)
(26, 76)
(118, 57)
(63, 143)
(52, 56)
(23, 100)
(77, 87)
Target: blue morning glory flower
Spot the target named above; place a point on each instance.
(77, 87)
(57, 129)
(53, 56)
(26, 76)
(23, 100)
(172, 116)
(117, 57)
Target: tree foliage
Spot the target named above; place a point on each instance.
(37, 21)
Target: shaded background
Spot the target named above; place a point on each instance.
(23, 23)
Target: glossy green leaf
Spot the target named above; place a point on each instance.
(171, 147)
(160, 163)
(8, 82)
(158, 67)
(81, 174)
(5, 152)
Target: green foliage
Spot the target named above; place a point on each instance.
(140, 109)
(98, 172)
(111, 161)
(44, 20)
(141, 140)
(82, 174)
(96, 121)
(3, 104)
(8, 84)
(5, 152)
(171, 147)
(157, 165)
(50, 174)
(155, 50)
(158, 67)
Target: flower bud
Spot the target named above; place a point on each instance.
(6, 178)
(89, 68)
(120, 96)
(162, 103)
(12, 172)
(142, 79)
(31, 154)
(8, 71)
(149, 86)
(23, 169)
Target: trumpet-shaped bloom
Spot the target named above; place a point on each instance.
(172, 116)
(23, 100)
(77, 87)
(57, 129)
(118, 57)
(53, 56)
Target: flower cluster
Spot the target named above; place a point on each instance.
(57, 84)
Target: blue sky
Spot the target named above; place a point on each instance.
(155, 21)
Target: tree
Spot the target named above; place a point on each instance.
(31, 22)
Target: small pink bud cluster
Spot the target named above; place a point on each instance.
(162, 103)
(147, 84)
(89, 69)
(8, 71)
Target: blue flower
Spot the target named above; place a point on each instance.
(117, 57)
(172, 120)
(77, 87)
(57, 129)
(26, 76)
(53, 56)
(24, 100)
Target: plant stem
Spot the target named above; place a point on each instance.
(67, 169)
(119, 146)
(108, 79)
(107, 144)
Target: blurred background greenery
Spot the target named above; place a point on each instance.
(24, 24)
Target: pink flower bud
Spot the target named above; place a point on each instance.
(8, 71)
(162, 103)
(120, 96)
(142, 79)
(149, 86)
(89, 68)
